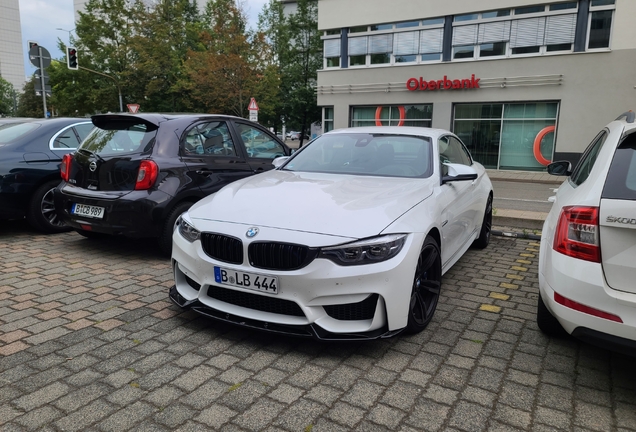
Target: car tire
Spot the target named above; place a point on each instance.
(427, 283)
(41, 213)
(486, 227)
(547, 323)
(165, 239)
(91, 235)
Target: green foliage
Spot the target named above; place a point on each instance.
(6, 98)
(30, 105)
(168, 56)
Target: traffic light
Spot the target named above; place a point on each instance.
(71, 58)
(32, 44)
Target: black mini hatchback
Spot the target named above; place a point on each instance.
(134, 175)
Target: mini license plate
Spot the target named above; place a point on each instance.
(258, 282)
(87, 211)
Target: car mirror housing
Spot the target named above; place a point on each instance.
(458, 172)
(279, 161)
(560, 168)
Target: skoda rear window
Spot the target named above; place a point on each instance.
(12, 131)
(621, 178)
(121, 138)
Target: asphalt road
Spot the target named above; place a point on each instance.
(90, 342)
(514, 195)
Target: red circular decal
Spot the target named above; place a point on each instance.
(378, 113)
(536, 149)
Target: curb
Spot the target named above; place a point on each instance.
(516, 235)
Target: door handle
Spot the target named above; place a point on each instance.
(204, 172)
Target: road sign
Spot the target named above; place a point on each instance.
(253, 106)
(253, 115)
(133, 108)
(38, 75)
(34, 56)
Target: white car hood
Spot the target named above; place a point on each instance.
(339, 205)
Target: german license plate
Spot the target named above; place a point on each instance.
(265, 283)
(87, 211)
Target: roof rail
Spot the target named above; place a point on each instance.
(629, 116)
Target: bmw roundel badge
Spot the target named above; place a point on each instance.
(251, 232)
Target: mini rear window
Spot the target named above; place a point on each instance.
(621, 178)
(125, 138)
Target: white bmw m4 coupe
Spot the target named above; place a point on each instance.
(346, 239)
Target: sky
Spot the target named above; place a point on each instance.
(40, 20)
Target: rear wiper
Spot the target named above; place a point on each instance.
(101, 159)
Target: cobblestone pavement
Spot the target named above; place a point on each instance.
(89, 341)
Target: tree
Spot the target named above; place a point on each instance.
(298, 47)
(30, 105)
(6, 97)
(222, 77)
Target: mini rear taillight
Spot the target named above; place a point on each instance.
(147, 174)
(65, 167)
(577, 233)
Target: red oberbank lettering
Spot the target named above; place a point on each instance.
(414, 84)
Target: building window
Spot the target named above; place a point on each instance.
(327, 119)
(503, 135)
(600, 25)
(392, 115)
(331, 52)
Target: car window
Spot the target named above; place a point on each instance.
(210, 138)
(65, 139)
(585, 165)
(123, 137)
(451, 150)
(259, 144)
(621, 178)
(367, 154)
(83, 130)
(12, 131)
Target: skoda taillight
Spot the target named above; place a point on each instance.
(577, 233)
(147, 174)
(65, 167)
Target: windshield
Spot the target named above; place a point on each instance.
(12, 131)
(366, 154)
(126, 138)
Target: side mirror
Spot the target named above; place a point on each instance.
(560, 168)
(459, 172)
(279, 161)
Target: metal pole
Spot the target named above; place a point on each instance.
(121, 106)
(42, 80)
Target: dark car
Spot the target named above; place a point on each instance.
(30, 155)
(136, 174)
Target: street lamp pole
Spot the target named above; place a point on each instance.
(69, 34)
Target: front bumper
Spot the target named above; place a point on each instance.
(314, 301)
(135, 214)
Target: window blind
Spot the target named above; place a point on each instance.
(527, 32)
(357, 46)
(465, 35)
(406, 43)
(379, 44)
(431, 41)
(332, 48)
(560, 29)
(494, 32)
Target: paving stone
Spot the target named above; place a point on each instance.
(41, 397)
(38, 418)
(127, 417)
(216, 416)
(427, 416)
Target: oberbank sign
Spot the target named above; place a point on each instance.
(414, 84)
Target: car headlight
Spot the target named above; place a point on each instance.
(367, 251)
(187, 231)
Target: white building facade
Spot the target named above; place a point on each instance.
(11, 50)
(521, 82)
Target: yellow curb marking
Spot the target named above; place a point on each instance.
(490, 308)
(532, 249)
(516, 277)
(520, 261)
(508, 285)
(499, 296)
(527, 255)
(521, 269)
(535, 244)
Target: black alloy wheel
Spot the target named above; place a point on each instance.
(41, 213)
(486, 227)
(426, 287)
